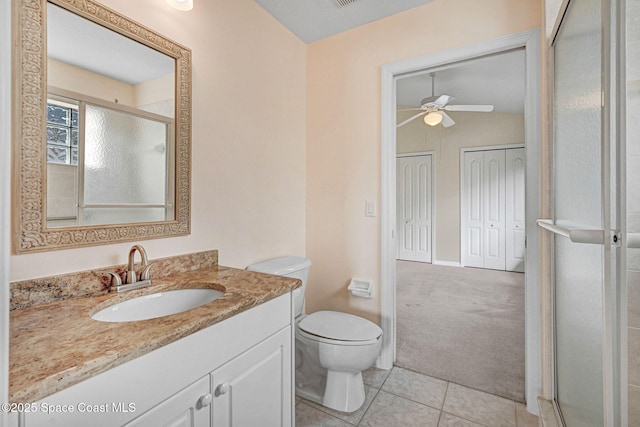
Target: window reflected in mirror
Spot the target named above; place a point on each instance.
(106, 163)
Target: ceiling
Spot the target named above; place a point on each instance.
(313, 20)
(497, 80)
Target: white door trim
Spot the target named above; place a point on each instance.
(530, 40)
(463, 224)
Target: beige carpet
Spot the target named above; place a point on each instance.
(462, 325)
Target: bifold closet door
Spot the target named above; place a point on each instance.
(414, 194)
(493, 209)
(515, 208)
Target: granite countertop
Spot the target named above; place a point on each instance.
(57, 344)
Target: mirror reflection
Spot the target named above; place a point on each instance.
(110, 126)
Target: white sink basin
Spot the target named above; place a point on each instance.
(157, 305)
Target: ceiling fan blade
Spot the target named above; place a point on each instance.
(443, 100)
(476, 108)
(410, 109)
(411, 118)
(447, 121)
(436, 101)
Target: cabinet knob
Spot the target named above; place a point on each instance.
(222, 389)
(204, 400)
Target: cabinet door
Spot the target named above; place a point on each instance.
(187, 408)
(254, 389)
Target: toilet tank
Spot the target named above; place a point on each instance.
(288, 266)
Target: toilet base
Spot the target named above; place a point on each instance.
(344, 391)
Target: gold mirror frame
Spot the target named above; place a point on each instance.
(30, 232)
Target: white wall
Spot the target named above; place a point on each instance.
(470, 130)
(249, 127)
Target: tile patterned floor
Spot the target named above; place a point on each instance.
(404, 398)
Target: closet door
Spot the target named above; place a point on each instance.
(473, 246)
(514, 200)
(414, 194)
(494, 208)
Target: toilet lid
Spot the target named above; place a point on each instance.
(339, 326)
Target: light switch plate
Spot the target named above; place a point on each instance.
(370, 208)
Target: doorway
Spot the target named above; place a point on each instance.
(529, 40)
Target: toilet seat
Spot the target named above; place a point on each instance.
(333, 327)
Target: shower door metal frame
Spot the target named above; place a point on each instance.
(613, 236)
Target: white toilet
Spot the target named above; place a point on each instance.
(332, 348)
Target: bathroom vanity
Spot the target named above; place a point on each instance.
(228, 362)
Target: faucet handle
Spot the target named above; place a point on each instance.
(115, 278)
(145, 274)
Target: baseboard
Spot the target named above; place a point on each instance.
(447, 263)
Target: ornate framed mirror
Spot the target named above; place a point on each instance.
(102, 134)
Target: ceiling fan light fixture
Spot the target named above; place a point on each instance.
(433, 118)
(181, 4)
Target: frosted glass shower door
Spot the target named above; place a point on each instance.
(125, 175)
(578, 194)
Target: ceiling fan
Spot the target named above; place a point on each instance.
(434, 108)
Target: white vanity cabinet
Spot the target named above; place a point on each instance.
(190, 407)
(250, 390)
(235, 373)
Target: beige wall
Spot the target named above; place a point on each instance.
(471, 130)
(343, 131)
(154, 91)
(69, 77)
(248, 193)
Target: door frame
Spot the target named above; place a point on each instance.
(463, 151)
(433, 196)
(530, 41)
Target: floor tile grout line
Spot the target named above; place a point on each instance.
(457, 383)
(411, 400)
(444, 398)
(328, 414)
(364, 414)
(465, 419)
